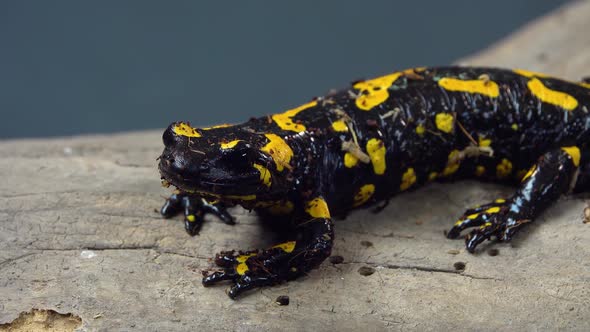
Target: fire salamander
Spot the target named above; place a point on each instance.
(361, 145)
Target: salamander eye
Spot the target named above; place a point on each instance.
(235, 148)
(241, 155)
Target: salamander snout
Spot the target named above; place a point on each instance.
(169, 137)
(182, 160)
(181, 166)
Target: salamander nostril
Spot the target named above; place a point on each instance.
(167, 159)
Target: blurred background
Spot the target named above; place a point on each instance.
(76, 67)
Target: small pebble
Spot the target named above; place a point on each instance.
(454, 252)
(459, 266)
(366, 244)
(336, 259)
(493, 252)
(282, 300)
(366, 270)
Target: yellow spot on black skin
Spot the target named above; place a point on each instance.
(557, 98)
(243, 258)
(484, 142)
(279, 150)
(285, 121)
(350, 160)
(223, 125)
(287, 247)
(376, 151)
(452, 164)
(242, 267)
(470, 217)
(420, 129)
(528, 73)
(318, 208)
(444, 122)
(183, 129)
(585, 85)
(432, 176)
(363, 194)
(574, 153)
(480, 170)
(240, 197)
(514, 127)
(207, 195)
(374, 92)
(339, 126)
(492, 210)
(504, 168)
(529, 173)
(487, 224)
(191, 218)
(265, 177)
(481, 86)
(408, 179)
(230, 144)
(500, 200)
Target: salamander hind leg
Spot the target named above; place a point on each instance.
(310, 246)
(544, 183)
(194, 209)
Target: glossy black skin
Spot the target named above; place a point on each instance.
(317, 169)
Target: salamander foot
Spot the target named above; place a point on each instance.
(282, 262)
(195, 208)
(253, 269)
(500, 219)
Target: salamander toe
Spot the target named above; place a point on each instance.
(497, 219)
(194, 209)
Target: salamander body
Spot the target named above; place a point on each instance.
(362, 145)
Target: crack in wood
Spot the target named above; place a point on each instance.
(157, 249)
(423, 269)
(10, 260)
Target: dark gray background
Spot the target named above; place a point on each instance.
(70, 67)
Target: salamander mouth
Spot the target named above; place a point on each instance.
(211, 185)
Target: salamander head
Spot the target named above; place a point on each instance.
(226, 162)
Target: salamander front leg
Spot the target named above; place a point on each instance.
(194, 208)
(311, 245)
(544, 183)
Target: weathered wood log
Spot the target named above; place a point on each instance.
(79, 234)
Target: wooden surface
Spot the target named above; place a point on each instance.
(79, 234)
